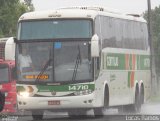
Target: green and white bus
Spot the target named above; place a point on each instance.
(82, 58)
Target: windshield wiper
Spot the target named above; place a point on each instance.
(78, 60)
(45, 67)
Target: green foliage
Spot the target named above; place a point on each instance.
(155, 21)
(29, 4)
(10, 11)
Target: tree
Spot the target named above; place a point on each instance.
(29, 4)
(10, 11)
(155, 21)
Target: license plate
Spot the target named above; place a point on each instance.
(54, 102)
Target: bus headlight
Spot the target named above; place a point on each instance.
(24, 94)
(83, 92)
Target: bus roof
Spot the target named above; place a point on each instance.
(79, 12)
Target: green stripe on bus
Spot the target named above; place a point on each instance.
(64, 88)
(60, 88)
(144, 62)
(20, 88)
(116, 61)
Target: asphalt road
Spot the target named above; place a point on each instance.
(105, 118)
(149, 112)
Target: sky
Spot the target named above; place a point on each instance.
(124, 6)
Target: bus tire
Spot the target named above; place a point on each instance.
(136, 107)
(37, 115)
(2, 101)
(99, 112)
(77, 113)
(142, 94)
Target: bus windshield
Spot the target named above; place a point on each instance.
(58, 61)
(4, 73)
(49, 29)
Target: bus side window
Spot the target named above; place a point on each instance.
(13, 73)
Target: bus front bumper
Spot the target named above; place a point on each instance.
(31, 103)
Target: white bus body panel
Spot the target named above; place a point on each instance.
(119, 93)
(65, 102)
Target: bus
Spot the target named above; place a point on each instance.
(82, 58)
(8, 95)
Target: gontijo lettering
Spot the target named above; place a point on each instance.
(112, 61)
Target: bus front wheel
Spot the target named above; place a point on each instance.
(136, 107)
(37, 114)
(99, 112)
(77, 113)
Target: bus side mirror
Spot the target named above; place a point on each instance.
(95, 46)
(15, 40)
(10, 49)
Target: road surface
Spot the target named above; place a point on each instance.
(149, 111)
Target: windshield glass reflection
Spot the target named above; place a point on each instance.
(54, 61)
